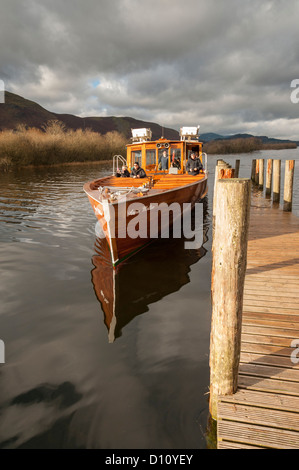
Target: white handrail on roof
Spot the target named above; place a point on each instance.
(189, 133)
(206, 161)
(116, 160)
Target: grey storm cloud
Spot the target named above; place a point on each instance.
(227, 66)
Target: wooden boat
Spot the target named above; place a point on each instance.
(113, 198)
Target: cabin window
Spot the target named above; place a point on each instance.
(175, 154)
(175, 157)
(150, 157)
(136, 157)
(194, 148)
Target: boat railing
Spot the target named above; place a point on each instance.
(205, 166)
(118, 162)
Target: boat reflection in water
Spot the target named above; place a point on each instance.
(126, 290)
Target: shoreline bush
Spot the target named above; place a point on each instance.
(56, 144)
(245, 145)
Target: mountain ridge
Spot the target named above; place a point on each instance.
(20, 111)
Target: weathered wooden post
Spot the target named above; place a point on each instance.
(225, 173)
(237, 168)
(261, 173)
(253, 165)
(288, 185)
(257, 170)
(232, 208)
(269, 177)
(276, 180)
(221, 165)
(222, 171)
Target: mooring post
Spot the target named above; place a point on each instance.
(221, 165)
(237, 168)
(288, 185)
(276, 180)
(261, 173)
(253, 165)
(232, 209)
(224, 173)
(269, 177)
(222, 170)
(256, 176)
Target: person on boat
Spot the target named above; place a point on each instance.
(163, 161)
(199, 161)
(124, 173)
(137, 171)
(193, 165)
(176, 163)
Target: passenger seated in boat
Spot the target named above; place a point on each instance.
(137, 171)
(176, 163)
(193, 165)
(124, 173)
(163, 161)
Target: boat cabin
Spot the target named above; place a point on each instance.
(148, 153)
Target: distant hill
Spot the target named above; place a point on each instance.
(20, 111)
(17, 110)
(207, 137)
(210, 136)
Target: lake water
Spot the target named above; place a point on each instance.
(66, 382)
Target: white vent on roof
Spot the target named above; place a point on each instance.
(141, 135)
(189, 133)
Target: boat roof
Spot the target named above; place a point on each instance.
(163, 140)
(144, 136)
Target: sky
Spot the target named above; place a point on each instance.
(227, 65)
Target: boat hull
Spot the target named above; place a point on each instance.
(127, 225)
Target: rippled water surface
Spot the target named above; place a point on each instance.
(73, 378)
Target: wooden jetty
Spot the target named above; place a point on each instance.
(264, 412)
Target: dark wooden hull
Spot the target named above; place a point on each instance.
(115, 218)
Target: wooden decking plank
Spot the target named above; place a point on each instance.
(276, 268)
(272, 316)
(270, 385)
(256, 415)
(235, 445)
(257, 275)
(266, 321)
(283, 332)
(251, 337)
(268, 285)
(249, 320)
(255, 435)
(262, 302)
(268, 359)
(265, 349)
(271, 372)
(275, 401)
(265, 293)
(271, 309)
